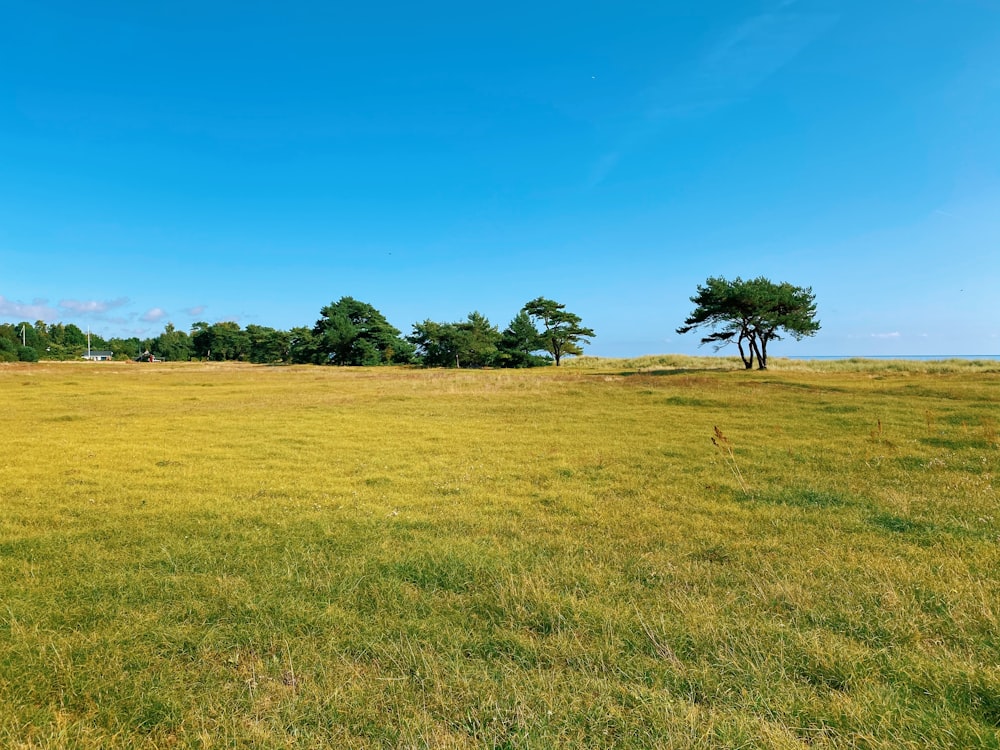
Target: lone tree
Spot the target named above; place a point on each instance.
(752, 313)
(562, 332)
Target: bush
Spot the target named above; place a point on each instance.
(27, 354)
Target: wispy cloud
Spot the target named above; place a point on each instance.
(153, 315)
(38, 309)
(727, 71)
(195, 311)
(91, 307)
(748, 54)
(893, 335)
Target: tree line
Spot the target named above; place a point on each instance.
(750, 314)
(348, 332)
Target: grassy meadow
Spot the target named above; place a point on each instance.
(222, 556)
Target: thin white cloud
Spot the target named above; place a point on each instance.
(726, 72)
(38, 309)
(92, 306)
(604, 166)
(893, 335)
(195, 311)
(153, 315)
(756, 49)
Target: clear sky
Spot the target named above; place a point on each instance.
(254, 161)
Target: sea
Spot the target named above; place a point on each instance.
(919, 357)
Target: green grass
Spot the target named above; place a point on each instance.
(235, 556)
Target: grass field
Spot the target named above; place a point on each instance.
(221, 556)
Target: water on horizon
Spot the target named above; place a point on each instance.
(918, 357)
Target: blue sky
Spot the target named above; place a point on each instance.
(254, 161)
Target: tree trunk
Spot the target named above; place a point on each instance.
(761, 359)
(747, 363)
(762, 355)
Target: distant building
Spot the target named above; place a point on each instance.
(98, 356)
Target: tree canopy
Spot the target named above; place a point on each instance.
(562, 333)
(519, 343)
(220, 341)
(475, 342)
(351, 332)
(751, 314)
(468, 343)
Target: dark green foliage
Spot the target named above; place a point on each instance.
(437, 344)
(129, 348)
(752, 312)
(220, 341)
(173, 345)
(519, 343)
(472, 342)
(8, 348)
(562, 333)
(301, 348)
(201, 338)
(73, 336)
(267, 345)
(51, 341)
(480, 339)
(32, 335)
(351, 332)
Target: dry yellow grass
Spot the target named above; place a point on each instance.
(241, 556)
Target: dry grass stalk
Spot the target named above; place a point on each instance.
(725, 447)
